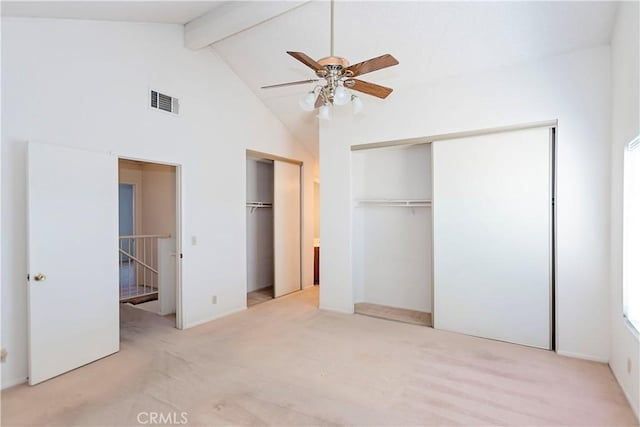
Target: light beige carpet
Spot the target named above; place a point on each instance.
(286, 363)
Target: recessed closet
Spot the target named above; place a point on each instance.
(273, 212)
(457, 232)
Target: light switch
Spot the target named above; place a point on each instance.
(194, 240)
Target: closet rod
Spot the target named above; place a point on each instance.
(255, 205)
(394, 202)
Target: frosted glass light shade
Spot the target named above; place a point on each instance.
(307, 102)
(323, 113)
(341, 96)
(358, 106)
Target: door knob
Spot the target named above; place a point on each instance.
(40, 277)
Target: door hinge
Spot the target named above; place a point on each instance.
(180, 256)
(28, 277)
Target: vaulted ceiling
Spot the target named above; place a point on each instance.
(431, 40)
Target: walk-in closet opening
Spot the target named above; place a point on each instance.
(273, 212)
(147, 251)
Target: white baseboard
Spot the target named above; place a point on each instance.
(583, 356)
(338, 310)
(13, 382)
(635, 405)
(215, 317)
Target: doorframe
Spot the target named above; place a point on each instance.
(178, 237)
(274, 157)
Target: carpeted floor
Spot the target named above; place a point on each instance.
(287, 363)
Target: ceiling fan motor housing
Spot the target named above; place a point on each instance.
(334, 60)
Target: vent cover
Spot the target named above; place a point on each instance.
(163, 102)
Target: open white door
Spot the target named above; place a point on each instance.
(286, 223)
(73, 258)
(492, 236)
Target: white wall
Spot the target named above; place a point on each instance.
(85, 84)
(131, 173)
(573, 88)
(158, 199)
(625, 126)
(155, 195)
(259, 225)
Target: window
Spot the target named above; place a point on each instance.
(631, 233)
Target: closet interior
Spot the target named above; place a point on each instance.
(273, 211)
(392, 233)
(259, 230)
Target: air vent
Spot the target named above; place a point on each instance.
(163, 102)
(634, 144)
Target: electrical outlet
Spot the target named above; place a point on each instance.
(194, 240)
(3, 355)
(214, 299)
(628, 364)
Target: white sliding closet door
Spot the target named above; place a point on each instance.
(492, 236)
(286, 227)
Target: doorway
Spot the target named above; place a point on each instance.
(148, 226)
(273, 218)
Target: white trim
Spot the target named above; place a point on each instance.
(212, 318)
(635, 406)
(178, 224)
(336, 310)
(14, 382)
(273, 157)
(454, 135)
(631, 327)
(583, 356)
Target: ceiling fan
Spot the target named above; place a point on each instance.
(335, 76)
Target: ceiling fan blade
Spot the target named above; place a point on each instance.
(372, 64)
(306, 60)
(300, 82)
(319, 101)
(369, 88)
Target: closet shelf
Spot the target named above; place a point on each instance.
(255, 205)
(413, 203)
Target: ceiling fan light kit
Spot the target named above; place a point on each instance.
(323, 112)
(336, 76)
(308, 101)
